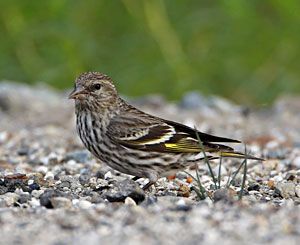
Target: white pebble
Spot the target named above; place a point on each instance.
(83, 204)
(297, 162)
(181, 202)
(129, 201)
(34, 202)
(49, 176)
(108, 175)
(297, 190)
(10, 198)
(37, 193)
(30, 182)
(3, 137)
(42, 169)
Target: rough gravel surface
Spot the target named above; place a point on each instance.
(52, 191)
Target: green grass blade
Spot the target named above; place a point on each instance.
(206, 158)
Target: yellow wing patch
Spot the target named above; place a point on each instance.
(184, 146)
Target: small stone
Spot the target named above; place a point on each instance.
(95, 197)
(3, 189)
(181, 175)
(182, 206)
(270, 164)
(297, 190)
(34, 202)
(2, 203)
(24, 198)
(100, 174)
(254, 187)
(296, 162)
(149, 200)
(286, 190)
(61, 202)
(184, 191)
(84, 204)
(42, 169)
(23, 151)
(271, 184)
(84, 178)
(224, 195)
(10, 198)
(37, 193)
(78, 156)
(108, 175)
(129, 201)
(34, 186)
(49, 176)
(46, 197)
(123, 189)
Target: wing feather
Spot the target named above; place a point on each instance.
(162, 136)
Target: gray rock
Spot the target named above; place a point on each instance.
(46, 197)
(24, 198)
(223, 195)
(10, 198)
(286, 189)
(123, 189)
(84, 204)
(61, 202)
(78, 156)
(96, 197)
(84, 178)
(297, 190)
(3, 189)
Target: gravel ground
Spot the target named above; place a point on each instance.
(52, 191)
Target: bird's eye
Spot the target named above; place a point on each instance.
(97, 86)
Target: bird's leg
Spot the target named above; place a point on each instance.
(135, 178)
(150, 183)
(153, 177)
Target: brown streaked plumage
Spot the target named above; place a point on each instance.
(134, 142)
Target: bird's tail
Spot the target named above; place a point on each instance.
(235, 154)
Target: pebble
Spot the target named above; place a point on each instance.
(108, 175)
(34, 202)
(84, 178)
(84, 204)
(78, 156)
(223, 194)
(3, 189)
(297, 190)
(42, 169)
(61, 202)
(46, 197)
(123, 189)
(49, 176)
(10, 198)
(24, 198)
(296, 162)
(129, 201)
(37, 193)
(181, 205)
(286, 189)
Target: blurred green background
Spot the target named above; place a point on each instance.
(247, 51)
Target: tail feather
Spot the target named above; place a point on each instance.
(235, 154)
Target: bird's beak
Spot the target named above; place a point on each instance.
(78, 93)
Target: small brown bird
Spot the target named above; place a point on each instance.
(134, 142)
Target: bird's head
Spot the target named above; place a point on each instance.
(94, 89)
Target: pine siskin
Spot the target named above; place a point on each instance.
(132, 141)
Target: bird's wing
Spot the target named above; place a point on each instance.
(151, 134)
